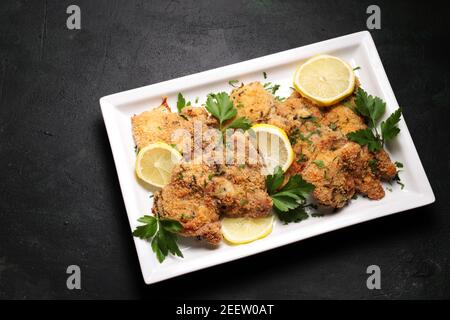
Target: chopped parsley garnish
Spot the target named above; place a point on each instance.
(233, 83)
(289, 201)
(373, 165)
(332, 126)
(372, 109)
(265, 75)
(296, 134)
(319, 163)
(187, 216)
(357, 68)
(270, 87)
(162, 233)
(398, 164)
(301, 158)
(243, 202)
(399, 181)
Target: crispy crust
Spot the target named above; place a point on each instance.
(253, 102)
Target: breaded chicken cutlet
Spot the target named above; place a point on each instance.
(253, 102)
(160, 124)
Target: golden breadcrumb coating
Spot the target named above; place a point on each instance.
(252, 101)
(184, 199)
(179, 129)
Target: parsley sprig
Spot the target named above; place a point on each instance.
(163, 235)
(372, 109)
(289, 202)
(221, 107)
(181, 102)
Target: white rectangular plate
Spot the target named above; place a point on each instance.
(359, 50)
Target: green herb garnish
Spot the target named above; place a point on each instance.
(163, 235)
(221, 107)
(319, 163)
(399, 181)
(332, 126)
(372, 109)
(398, 164)
(289, 202)
(240, 123)
(373, 165)
(270, 87)
(187, 216)
(233, 83)
(301, 158)
(181, 102)
(243, 202)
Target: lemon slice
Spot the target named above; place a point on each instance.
(324, 79)
(273, 146)
(245, 230)
(154, 163)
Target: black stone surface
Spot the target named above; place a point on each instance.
(60, 201)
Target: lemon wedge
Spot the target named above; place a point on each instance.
(245, 230)
(273, 146)
(324, 79)
(154, 163)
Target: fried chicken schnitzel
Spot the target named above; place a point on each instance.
(185, 199)
(160, 124)
(253, 101)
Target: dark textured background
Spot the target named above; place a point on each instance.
(60, 202)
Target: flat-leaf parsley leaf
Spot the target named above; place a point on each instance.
(161, 233)
(289, 202)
